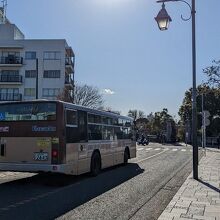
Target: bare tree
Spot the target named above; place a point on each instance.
(109, 109)
(84, 95)
(88, 96)
(136, 114)
(66, 95)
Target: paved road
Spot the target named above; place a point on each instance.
(140, 190)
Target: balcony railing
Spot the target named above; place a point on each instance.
(11, 60)
(11, 79)
(69, 61)
(10, 97)
(69, 81)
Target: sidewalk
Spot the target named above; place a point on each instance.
(198, 200)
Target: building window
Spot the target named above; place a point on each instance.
(52, 74)
(9, 91)
(30, 73)
(52, 92)
(9, 94)
(52, 55)
(30, 55)
(29, 91)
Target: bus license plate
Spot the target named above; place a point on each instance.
(40, 156)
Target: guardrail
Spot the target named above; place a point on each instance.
(11, 60)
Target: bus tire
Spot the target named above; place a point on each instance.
(95, 166)
(126, 156)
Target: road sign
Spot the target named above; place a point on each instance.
(206, 113)
(207, 122)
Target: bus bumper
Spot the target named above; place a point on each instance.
(37, 168)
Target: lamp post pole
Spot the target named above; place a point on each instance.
(163, 20)
(194, 110)
(203, 121)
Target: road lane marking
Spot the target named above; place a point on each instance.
(152, 156)
(140, 148)
(183, 150)
(156, 149)
(175, 150)
(148, 149)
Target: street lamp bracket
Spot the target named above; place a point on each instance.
(182, 17)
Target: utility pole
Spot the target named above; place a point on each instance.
(36, 78)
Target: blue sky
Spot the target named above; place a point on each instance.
(119, 47)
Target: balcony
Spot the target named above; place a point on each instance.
(11, 61)
(69, 82)
(10, 97)
(10, 79)
(69, 64)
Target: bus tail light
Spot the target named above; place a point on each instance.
(54, 156)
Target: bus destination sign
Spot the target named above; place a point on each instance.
(36, 128)
(4, 129)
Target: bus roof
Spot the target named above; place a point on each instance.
(74, 106)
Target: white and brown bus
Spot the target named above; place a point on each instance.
(54, 136)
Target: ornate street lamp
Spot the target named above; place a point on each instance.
(163, 20)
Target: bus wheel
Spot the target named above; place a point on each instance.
(126, 156)
(95, 167)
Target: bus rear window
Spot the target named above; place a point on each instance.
(28, 112)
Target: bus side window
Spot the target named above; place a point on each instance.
(82, 126)
(71, 118)
(72, 134)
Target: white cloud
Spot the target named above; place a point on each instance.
(108, 92)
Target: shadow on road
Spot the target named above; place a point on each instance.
(40, 198)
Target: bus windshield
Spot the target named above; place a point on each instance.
(28, 112)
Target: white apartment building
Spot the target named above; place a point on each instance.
(32, 69)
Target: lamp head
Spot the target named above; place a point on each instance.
(163, 19)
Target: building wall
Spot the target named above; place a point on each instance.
(10, 32)
(40, 47)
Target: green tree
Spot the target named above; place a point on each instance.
(160, 123)
(213, 74)
(211, 103)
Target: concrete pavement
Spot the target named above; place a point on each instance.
(198, 200)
